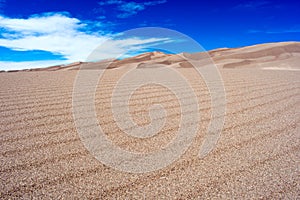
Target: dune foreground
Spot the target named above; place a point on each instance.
(256, 156)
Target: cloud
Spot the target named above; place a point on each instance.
(4, 65)
(153, 3)
(110, 2)
(55, 33)
(60, 34)
(131, 8)
(295, 29)
(126, 47)
(166, 22)
(40, 24)
(2, 3)
(251, 5)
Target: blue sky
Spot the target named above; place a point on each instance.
(37, 33)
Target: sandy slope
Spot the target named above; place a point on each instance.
(257, 155)
(271, 56)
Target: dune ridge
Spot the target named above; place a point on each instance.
(280, 55)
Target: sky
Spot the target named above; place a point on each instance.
(39, 33)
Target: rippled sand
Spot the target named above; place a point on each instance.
(257, 155)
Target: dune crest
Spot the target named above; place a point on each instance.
(280, 55)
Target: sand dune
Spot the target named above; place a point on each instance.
(258, 56)
(283, 55)
(257, 155)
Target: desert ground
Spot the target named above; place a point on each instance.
(257, 154)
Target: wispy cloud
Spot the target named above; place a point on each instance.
(127, 9)
(56, 33)
(166, 23)
(251, 5)
(60, 34)
(40, 24)
(126, 47)
(2, 3)
(295, 29)
(8, 65)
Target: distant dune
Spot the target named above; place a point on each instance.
(272, 56)
(284, 55)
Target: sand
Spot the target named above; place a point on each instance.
(257, 154)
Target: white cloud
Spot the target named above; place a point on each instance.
(252, 5)
(72, 46)
(4, 65)
(295, 29)
(125, 47)
(2, 2)
(42, 24)
(60, 34)
(128, 9)
(55, 33)
(110, 2)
